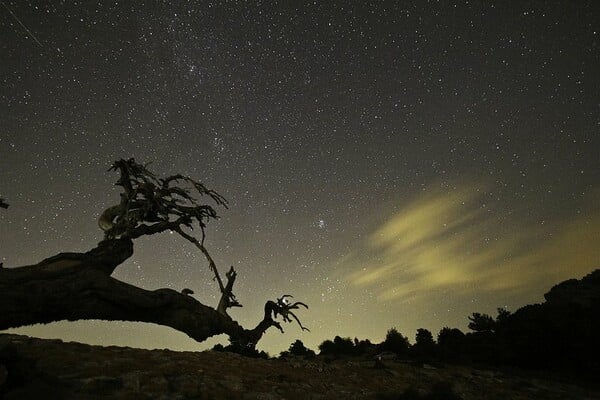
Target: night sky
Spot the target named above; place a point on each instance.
(389, 163)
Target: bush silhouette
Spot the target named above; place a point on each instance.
(395, 342)
(243, 350)
(450, 343)
(560, 334)
(327, 347)
(298, 349)
(424, 347)
(343, 345)
(364, 347)
(481, 323)
(339, 346)
(503, 316)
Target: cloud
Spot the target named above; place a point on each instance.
(449, 240)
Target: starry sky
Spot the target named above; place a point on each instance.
(390, 163)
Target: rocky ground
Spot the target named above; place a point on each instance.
(51, 369)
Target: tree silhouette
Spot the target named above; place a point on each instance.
(503, 315)
(75, 286)
(424, 344)
(424, 338)
(362, 347)
(481, 323)
(343, 345)
(450, 343)
(395, 342)
(339, 346)
(451, 337)
(327, 347)
(298, 349)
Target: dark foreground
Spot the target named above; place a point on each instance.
(51, 369)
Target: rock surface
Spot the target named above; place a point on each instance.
(51, 369)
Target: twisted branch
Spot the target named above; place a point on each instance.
(152, 205)
(148, 205)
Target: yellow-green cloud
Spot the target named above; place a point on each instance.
(447, 240)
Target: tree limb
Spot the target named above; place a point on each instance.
(72, 290)
(78, 286)
(74, 286)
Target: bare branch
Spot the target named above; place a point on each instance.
(152, 205)
(298, 321)
(72, 286)
(149, 200)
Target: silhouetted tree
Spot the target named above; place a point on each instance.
(338, 347)
(327, 347)
(450, 343)
(503, 315)
(481, 323)
(75, 286)
(395, 342)
(449, 336)
(234, 346)
(343, 345)
(298, 349)
(562, 334)
(424, 338)
(424, 346)
(364, 347)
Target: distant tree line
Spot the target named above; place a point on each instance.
(561, 335)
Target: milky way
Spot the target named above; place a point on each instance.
(389, 163)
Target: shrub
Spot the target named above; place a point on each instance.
(298, 349)
(395, 342)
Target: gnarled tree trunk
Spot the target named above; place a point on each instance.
(78, 286)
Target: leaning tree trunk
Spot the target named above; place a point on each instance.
(78, 286)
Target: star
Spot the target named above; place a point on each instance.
(395, 128)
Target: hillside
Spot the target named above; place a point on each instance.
(51, 369)
(549, 342)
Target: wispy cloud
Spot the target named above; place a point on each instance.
(447, 240)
